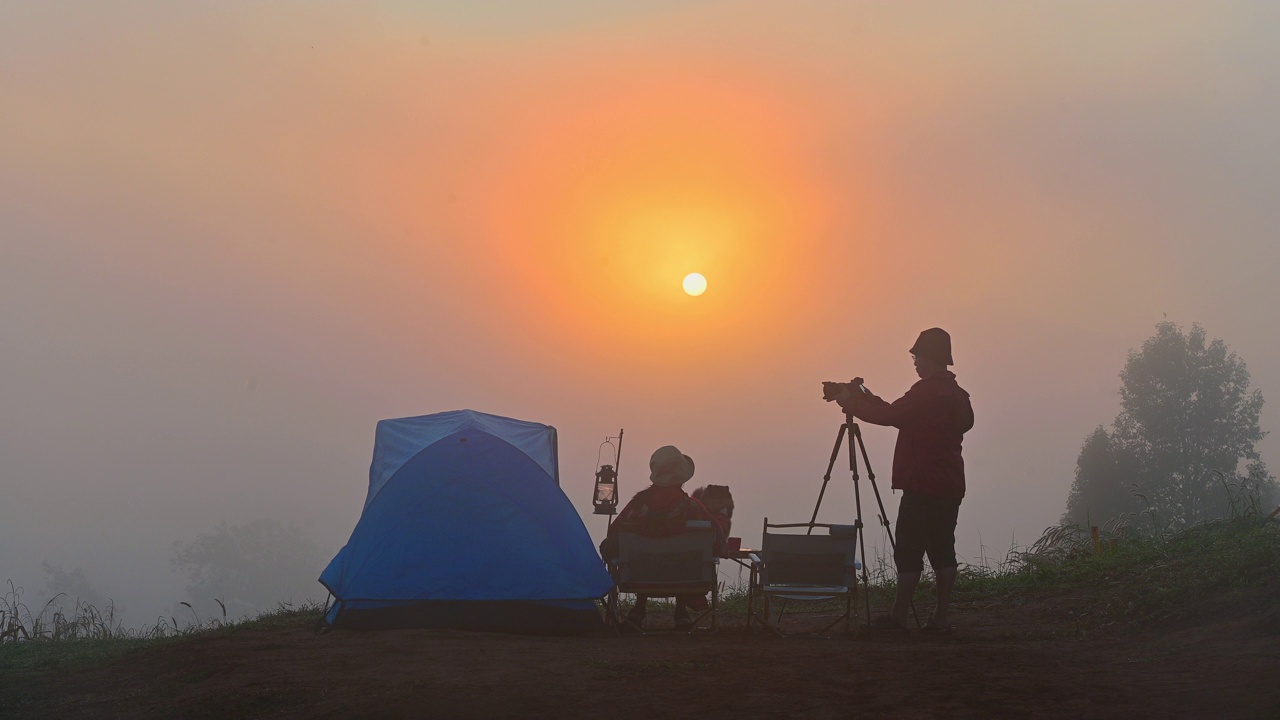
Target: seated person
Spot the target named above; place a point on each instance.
(661, 509)
(719, 502)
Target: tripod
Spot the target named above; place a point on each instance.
(851, 430)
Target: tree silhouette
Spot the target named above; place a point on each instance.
(1104, 475)
(249, 568)
(74, 587)
(1188, 419)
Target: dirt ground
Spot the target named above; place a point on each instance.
(1003, 660)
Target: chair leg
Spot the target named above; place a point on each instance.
(715, 605)
(766, 610)
(636, 618)
(711, 611)
(614, 619)
(842, 618)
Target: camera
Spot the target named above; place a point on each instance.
(831, 390)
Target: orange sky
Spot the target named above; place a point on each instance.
(236, 237)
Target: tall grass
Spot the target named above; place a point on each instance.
(1140, 568)
(58, 636)
(54, 621)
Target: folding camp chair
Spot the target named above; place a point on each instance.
(803, 567)
(683, 564)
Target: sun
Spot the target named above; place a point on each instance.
(695, 284)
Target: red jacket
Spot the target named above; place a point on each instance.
(932, 419)
(663, 510)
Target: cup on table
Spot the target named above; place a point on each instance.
(733, 544)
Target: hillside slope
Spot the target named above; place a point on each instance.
(1189, 628)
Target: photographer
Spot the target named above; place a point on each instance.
(927, 467)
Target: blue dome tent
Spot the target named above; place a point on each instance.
(465, 526)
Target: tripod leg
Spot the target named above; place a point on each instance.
(866, 583)
(835, 452)
(857, 500)
(856, 438)
(884, 516)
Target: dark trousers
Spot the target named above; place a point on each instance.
(926, 526)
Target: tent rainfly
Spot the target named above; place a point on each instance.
(465, 526)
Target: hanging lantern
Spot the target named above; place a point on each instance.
(606, 495)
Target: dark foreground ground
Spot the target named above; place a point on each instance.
(1030, 659)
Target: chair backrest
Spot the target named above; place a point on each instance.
(672, 559)
(810, 560)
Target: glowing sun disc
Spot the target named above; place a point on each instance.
(695, 284)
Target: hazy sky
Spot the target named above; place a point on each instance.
(235, 235)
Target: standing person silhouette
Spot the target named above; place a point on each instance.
(932, 418)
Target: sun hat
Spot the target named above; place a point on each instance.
(668, 466)
(934, 343)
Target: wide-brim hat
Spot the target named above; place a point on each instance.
(668, 466)
(934, 343)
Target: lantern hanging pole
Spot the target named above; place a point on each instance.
(617, 457)
(617, 469)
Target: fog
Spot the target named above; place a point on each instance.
(234, 238)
